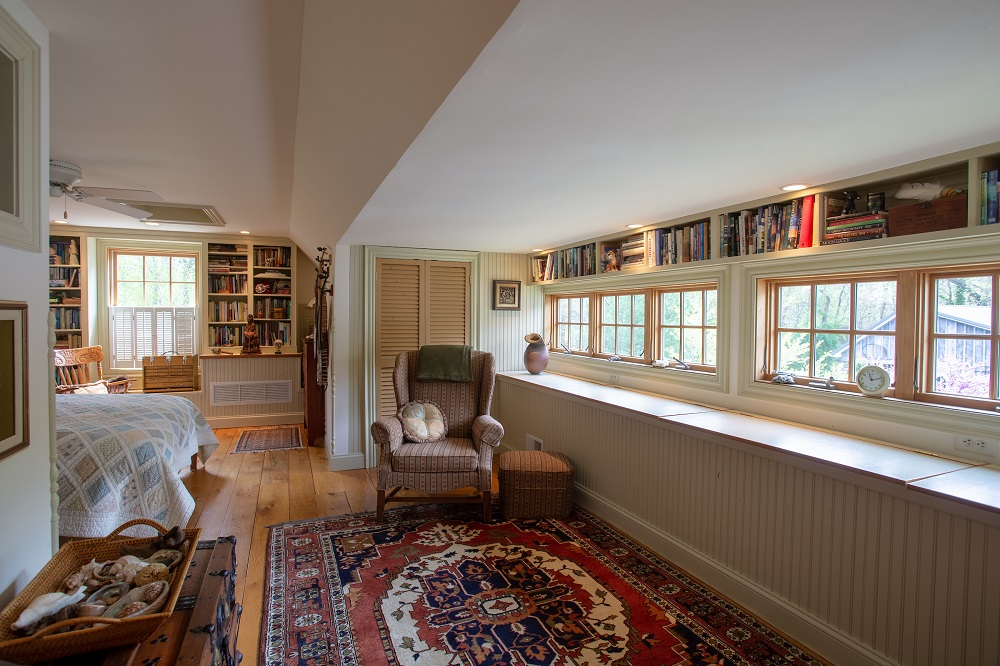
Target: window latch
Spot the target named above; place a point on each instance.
(563, 345)
(680, 364)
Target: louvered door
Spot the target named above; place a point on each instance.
(417, 302)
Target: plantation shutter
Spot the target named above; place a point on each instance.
(145, 331)
(417, 302)
(184, 331)
(164, 339)
(122, 338)
(143, 326)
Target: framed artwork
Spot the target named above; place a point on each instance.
(13, 377)
(506, 294)
(20, 168)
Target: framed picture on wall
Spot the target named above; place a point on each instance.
(506, 294)
(13, 377)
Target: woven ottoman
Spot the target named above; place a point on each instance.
(535, 484)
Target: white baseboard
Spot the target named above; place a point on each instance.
(794, 622)
(347, 461)
(245, 420)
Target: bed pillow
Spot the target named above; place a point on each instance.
(93, 387)
(423, 422)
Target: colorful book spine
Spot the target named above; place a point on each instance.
(992, 214)
(806, 226)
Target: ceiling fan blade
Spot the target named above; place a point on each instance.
(113, 206)
(115, 193)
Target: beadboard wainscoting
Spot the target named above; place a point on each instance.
(861, 569)
(502, 331)
(265, 378)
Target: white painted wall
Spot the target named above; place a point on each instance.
(25, 513)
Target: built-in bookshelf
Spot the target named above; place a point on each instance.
(961, 192)
(272, 293)
(66, 276)
(250, 278)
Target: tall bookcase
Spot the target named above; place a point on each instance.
(250, 278)
(965, 184)
(66, 293)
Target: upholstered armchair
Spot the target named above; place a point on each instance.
(462, 459)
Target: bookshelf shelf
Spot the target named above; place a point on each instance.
(795, 222)
(66, 279)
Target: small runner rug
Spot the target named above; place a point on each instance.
(268, 438)
(432, 586)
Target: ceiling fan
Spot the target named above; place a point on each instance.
(63, 179)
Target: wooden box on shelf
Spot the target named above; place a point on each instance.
(936, 215)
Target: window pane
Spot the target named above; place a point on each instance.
(833, 306)
(623, 347)
(670, 306)
(964, 305)
(692, 308)
(639, 309)
(585, 309)
(961, 367)
(638, 342)
(624, 310)
(183, 269)
(130, 293)
(670, 342)
(574, 337)
(607, 339)
(574, 309)
(831, 356)
(608, 309)
(793, 352)
(793, 307)
(875, 306)
(711, 304)
(877, 350)
(563, 309)
(158, 293)
(562, 334)
(129, 267)
(710, 346)
(157, 269)
(184, 296)
(692, 345)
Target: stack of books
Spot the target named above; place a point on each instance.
(854, 227)
(990, 212)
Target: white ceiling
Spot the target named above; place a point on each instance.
(413, 124)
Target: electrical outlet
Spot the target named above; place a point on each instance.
(532, 443)
(614, 379)
(977, 445)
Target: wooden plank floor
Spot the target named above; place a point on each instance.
(241, 494)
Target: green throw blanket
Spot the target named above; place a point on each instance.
(451, 363)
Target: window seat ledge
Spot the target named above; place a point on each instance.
(976, 485)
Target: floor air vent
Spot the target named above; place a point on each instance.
(251, 393)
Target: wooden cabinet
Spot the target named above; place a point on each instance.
(314, 405)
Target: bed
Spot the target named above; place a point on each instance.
(118, 458)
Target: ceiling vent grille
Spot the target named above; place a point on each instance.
(170, 213)
(251, 393)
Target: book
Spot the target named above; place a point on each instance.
(992, 213)
(855, 222)
(874, 231)
(806, 225)
(611, 259)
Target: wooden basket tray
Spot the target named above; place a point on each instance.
(48, 644)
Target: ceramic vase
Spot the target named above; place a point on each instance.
(536, 355)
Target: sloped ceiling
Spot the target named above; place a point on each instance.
(413, 124)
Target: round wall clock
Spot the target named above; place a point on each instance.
(873, 381)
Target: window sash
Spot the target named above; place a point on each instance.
(686, 330)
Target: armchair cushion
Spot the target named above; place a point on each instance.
(453, 454)
(93, 387)
(423, 422)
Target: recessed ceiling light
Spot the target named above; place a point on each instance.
(244, 232)
(152, 224)
(538, 249)
(60, 221)
(632, 226)
(795, 187)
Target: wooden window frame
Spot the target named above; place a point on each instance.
(555, 323)
(658, 324)
(914, 330)
(597, 312)
(113, 262)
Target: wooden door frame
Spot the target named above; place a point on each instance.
(372, 253)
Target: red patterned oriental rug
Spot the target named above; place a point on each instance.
(432, 586)
(268, 438)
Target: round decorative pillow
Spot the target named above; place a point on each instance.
(423, 422)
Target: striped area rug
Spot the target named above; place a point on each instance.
(268, 438)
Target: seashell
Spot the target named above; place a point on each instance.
(74, 581)
(108, 595)
(91, 610)
(150, 573)
(151, 591)
(132, 608)
(46, 604)
(166, 556)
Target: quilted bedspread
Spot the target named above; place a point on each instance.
(118, 459)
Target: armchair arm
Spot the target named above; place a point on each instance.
(388, 434)
(487, 430)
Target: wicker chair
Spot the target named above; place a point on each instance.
(73, 370)
(463, 459)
